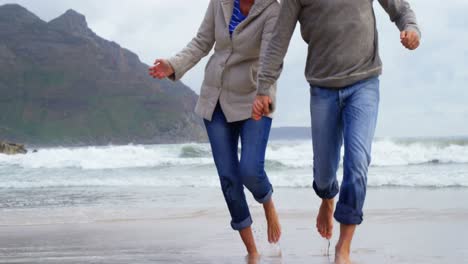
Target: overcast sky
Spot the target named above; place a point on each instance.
(423, 93)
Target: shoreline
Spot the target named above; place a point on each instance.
(191, 225)
(276, 136)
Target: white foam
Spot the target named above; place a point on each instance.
(289, 164)
(389, 153)
(290, 154)
(111, 157)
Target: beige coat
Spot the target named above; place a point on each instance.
(231, 73)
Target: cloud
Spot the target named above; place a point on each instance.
(424, 93)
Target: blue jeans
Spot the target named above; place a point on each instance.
(350, 115)
(249, 171)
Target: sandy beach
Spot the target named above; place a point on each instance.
(190, 225)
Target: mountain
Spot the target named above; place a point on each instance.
(60, 83)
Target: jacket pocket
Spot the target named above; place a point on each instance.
(212, 74)
(253, 74)
(240, 78)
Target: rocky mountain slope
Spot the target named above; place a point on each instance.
(60, 83)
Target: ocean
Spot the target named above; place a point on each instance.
(435, 163)
(58, 177)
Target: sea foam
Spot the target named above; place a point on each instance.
(280, 155)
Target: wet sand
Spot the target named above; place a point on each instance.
(191, 225)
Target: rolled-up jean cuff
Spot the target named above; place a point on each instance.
(265, 198)
(348, 217)
(326, 194)
(242, 225)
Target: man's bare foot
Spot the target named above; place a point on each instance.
(325, 218)
(342, 254)
(274, 227)
(343, 247)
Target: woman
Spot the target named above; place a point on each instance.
(239, 30)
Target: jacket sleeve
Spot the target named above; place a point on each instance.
(199, 47)
(268, 29)
(401, 14)
(271, 61)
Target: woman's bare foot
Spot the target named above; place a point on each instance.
(253, 259)
(249, 241)
(325, 218)
(274, 227)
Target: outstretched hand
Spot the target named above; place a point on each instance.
(410, 39)
(161, 69)
(261, 107)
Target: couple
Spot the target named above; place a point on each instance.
(250, 39)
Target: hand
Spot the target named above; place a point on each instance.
(261, 107)
(410, 39)
(161, 69)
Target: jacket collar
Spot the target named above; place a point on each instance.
(257, 9)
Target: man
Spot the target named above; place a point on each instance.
(342, 68)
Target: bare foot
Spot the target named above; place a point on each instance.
(253, 258)
(249, 241)
(274, 227)
(343, 247)
(325, 218)
(342, 255)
